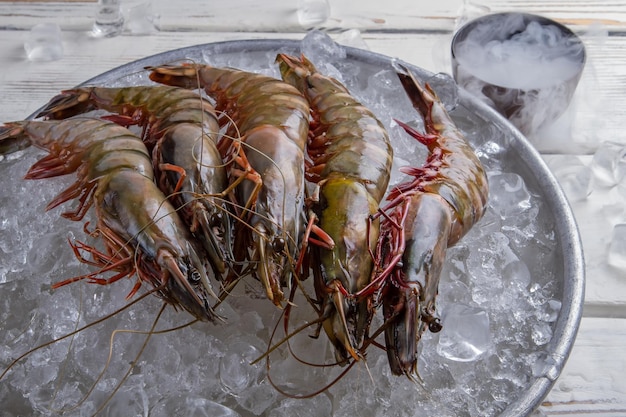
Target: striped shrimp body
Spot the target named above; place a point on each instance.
(180, 129)
(426, 215)
(270, 121)
(155, 108)
(350, 160)
(141, 230)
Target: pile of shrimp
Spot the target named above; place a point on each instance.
(212, 175)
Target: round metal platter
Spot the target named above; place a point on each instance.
(517, 154)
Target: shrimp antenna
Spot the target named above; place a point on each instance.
(74, 332)
(132, 364)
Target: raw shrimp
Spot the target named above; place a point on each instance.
(266, 139)
(140, 228)
(350, 160)
(181, 130)
(426, 215)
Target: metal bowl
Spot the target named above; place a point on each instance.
(516, 154)
(534, 106)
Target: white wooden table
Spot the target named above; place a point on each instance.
(593, 381)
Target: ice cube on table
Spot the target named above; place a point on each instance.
(609, 163)
(617, 248)
(575, 178)
(109, 19)
(140, 19)
(44, 43)
(313, 12)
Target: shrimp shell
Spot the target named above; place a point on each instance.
(350, 160)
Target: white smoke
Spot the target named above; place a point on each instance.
(526, 69)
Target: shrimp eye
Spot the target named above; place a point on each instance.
(278, 244)
(216, 219)
(194, 276)
(435, 325)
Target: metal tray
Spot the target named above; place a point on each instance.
(517, 153)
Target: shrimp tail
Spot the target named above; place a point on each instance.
(67, 104)
(12, 138)
(184, 75)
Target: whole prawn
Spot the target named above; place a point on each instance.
(270, 120)
(181, 130)
(425, 215)
(140, 228)
(350, 159)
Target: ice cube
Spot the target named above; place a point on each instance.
(543, 366)
(617, 248)
(621, 187)
(319, 405)
(236, 373)
(508, 194)
(446, 89)
(609, 162)
(140, 19)
(353, 38)
(549, 312)
(321, 49)
(541, 333)
(516, 273)
(454, 292)
(312, 13)
(576, 178)
(109, 20)
(465, 335)
(185, 404)
(44, 43)
(257, 398)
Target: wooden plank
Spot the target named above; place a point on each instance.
(578, 14)
(254, 16)
(48, 1)
(592, 382)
